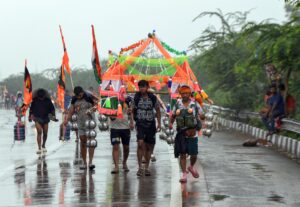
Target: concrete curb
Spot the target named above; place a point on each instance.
(282, 143)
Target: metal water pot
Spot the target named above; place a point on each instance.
(74, 118)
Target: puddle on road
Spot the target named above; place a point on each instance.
(276, 198)
(217, 197)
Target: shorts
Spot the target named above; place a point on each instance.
(146, 133)
(185, 145)
(42, 121)
(191, 145)
(118, 135)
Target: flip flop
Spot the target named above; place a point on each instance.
(183, 179)
(125, 168)
(114, 171)
(193, 171)
(147, 172)
(92, 167)
(139, 172)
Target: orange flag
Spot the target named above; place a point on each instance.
(65, 59)
(27, 86)
(61, 89)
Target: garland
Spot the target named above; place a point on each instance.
(172, 50)
(131, 46)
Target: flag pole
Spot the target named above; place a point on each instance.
(72, 82)
(23, 102)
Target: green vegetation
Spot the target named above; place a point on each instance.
(230, 62)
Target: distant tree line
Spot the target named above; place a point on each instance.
(48, 79)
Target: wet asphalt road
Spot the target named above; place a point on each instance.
(230, 175)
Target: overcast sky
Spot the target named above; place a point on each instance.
(30, 28)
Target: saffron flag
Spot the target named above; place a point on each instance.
(95, 59)
(61, 89)
(27, 86)
(65, 59)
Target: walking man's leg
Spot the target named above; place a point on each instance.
(83, 140)
(153, 158)
(115, 154)
(45, 136)
(140, 154)
(125, 157)
(39, 131)
(192, 147)
(148, 151)
(91, 157)
(182, 157)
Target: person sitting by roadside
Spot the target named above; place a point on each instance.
(275, 109)
(290, 101)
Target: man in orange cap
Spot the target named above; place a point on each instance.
(187, 115)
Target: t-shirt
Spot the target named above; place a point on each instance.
(277, 99)
(42, 108)
(120, 123)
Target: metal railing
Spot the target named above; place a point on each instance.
(287, 124)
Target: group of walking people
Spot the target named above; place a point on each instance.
(142, 113)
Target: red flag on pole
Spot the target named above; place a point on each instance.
(65, 59)
(27, 86)
(95, 59)
(61, 89)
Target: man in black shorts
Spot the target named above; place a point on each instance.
(40, 109)
(120, 132)
(143, 108)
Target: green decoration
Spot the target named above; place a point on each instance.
(172, 50)
(107, 103)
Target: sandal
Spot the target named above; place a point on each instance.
(153, 158)
(114, 171)
(125, 168)
(92, 167)
(139, 172)
(183, 179)
(193, 171)
(147, 172)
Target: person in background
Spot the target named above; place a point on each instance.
(67, 104)
(275, 108)
(7, 100)
(290, 101)
(120, 133)
(41, 110)
(163, 110)
(19, 104)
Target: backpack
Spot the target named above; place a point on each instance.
(198, 125)
(137, 98)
